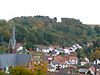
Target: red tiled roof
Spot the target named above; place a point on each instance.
(50, 56)
(58, 58)
(71, 57)
(36, 56)
(92, 68)
(53, 46)
(89, 43)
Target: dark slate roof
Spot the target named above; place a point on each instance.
(53, 52)
(50, 67)
(7, 59)
(23, 59)
(13, 59)
(82, 70)
(56, 63)
(63, 70)
(98, 67)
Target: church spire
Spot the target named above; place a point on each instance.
(12, 41)
(13, 37)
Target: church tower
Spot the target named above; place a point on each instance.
(12, 41)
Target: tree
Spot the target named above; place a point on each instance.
(2, 73)
(40, 69)
(96, 43)
(43, 30)
(21, 70)
(95, 55)
(37, 69)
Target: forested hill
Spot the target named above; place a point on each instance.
(42, 30)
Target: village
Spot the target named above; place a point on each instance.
(60, 61)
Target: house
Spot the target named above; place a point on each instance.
(67, 51)
(58, 65)
(14, 60)
(50, 59)
(84, 61)
(35, 59)
(53, 53)
(72, 49)
(51, 68)
(98, 67)
(97, 61)
(59, 51)
(54, 47)
(89, 44)
(45, 50)
(78, 46)
(92, 70)
(19, 47)
(72, 59)
(83, 71)
(58, 62)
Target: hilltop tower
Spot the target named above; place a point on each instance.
(12, 41)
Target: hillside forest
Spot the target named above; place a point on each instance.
(43, 30)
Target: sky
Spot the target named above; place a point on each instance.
(87, 11)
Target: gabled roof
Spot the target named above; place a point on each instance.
(71, 57)
(23, 59)
(57, 58)
(13, 59)
(92, 68)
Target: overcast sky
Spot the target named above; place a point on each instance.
(88, 11)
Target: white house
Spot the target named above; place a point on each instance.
(51, 68)
(78, 46)
(97, 61)
(58, 64)
(84, 61)
(67, 51)
(19, 47)
(72, 59)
